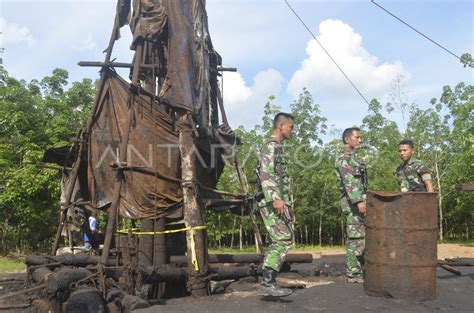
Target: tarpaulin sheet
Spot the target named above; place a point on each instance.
(152, 144)
(187, 78)
(178, 49)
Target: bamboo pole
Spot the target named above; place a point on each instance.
(122, 158)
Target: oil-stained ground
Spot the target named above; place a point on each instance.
(328, 294)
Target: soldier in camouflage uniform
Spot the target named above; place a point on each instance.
(352, 181)
(276, 205)
(413, 174)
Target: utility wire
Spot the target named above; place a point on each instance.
(309, 30)
(381, 7)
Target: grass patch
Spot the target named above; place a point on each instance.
(11, 264)
(232, 251)
(469, 243)
(319, 248)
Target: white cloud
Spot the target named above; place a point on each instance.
(244, 104)
(320, 75)
(87, 44)
(14, 34)
(235, 89)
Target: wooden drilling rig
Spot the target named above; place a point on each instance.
(150, 158)
(153, 148)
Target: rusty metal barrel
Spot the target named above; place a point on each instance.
(401, 245)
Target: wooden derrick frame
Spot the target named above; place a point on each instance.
(198, 272)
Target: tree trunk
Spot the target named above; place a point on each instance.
(306, 234)
(241, 231)
(193, 212)
(159, 254)
(219, 226)
(343, 242)
(145, 244)
(244, 185)
(232, 234)
(467, 230)
(321, 210)
(440, 201)
(320, 229)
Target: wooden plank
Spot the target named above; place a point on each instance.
(465, 187)
(451, 269)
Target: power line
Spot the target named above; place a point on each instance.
(343, 73)
(439, 45)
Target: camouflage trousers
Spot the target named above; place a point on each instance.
(281, 237)
(355, 239)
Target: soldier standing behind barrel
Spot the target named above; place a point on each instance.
(352, 182)
(275, 204)
(413, 174)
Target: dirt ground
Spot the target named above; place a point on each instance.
(454, 294)
(318, 286)
(322, 288)
(452, 251)
(445, 250)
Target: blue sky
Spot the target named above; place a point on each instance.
(272, 51)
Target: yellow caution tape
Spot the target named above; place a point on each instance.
(194, 260)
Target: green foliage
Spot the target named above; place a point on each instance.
(380, 138)
(466, 60)
(45, 113)
(443, 134)
(33, 118)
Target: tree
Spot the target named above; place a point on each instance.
(33, 118)
(443, 135)
(466, 60)
(380, 139)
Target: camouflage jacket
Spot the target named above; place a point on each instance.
(273, 172)
(350, 176)
(411, 175)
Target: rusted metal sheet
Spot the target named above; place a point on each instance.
(401, 247)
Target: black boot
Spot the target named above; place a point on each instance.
(269, 287)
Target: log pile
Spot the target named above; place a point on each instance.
(80, 283)
(449, 264)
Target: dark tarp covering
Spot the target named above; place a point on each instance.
(153, 144)
(187, 78)
(177, 43)
(183, 28)
(151, 134)
(59, 156)
(148, 21)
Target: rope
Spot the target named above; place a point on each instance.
(402, 21)
(191, 230)
(171, 231)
